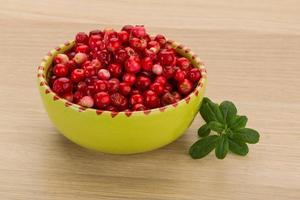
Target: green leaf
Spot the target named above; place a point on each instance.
(238, 123)
(247, 135)
(229, 111)
(238, 147)
(204, 131)
(203, 146)
(216, 126)
(222, 147)
(210, 111)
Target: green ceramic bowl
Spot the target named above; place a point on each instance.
(121, 132)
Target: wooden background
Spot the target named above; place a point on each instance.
(252, 53)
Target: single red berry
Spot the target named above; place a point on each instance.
(71, 65)
(161, 79)
(133, 64)
(150, 53)
(77, 75)
(89, 71)
(104, 57)
(119, 101)
(183, 63)
(124, 88)
(61, 59)
(113, 44)
(138, 107)
(69, 97)
(129, 78)
(103, 74)
(102, 100)
(115, 70)
(120, 56)
(101, 86)
(81, 37)
(154, 45)
(130, 51)
(157, 69)
(113, 85)
(136, 99)
(93, 42)
(166, 57)
(135, 43)
(167, 99)
(123, 36)
(143, 44)
(60, 70)
(160, 39)
(82, 87)
(147, 64)
(97, 46)
(142, 82)
(185, 87)
(151, 99)
(109, 33)
(138, 31)
(96, 32)
(179, 75)
(86, 101)
(168, 71)
(82, 48)
(111, 108)
(176, 95)
(194, 75)
(96, 64)
(158, 88)
(62, 86)
(71, 54)
(127, 28)
(80, 58)
(77, 96)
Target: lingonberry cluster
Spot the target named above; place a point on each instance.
(125, 70)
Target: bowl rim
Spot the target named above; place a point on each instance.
(179, 48)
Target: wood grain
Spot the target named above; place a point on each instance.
(252, 52)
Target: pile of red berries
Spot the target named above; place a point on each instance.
(126, 70)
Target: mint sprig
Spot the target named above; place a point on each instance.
(223, 131)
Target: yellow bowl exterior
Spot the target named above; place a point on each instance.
(123, 132)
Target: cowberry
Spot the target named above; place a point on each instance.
(135, 43)
(100, 86)
(113, 44)
(129, 78)
(185, 87)
(136, 99)
(167, 99)
(77, 75)
(142, 82)
(183, 63)
(119, 101)
(69, 97)
(120, 56)
(61, 59)
(161, 79)
(168, 72)
(101, 100)
(115, 70)
(158, 88)
(82, 48)
(81, 37)
(194, 74)
(86, 101)
(89, 71)
(103, 74)
(166, 57)
(80, 58)
(138, 107)
(127, 28)
(62, 86)
(160, 39)
(138, 31)
(151, 99)
(157, 69)
(113, 85)
(133, 64)
(123, 36)
(60, 70)
(124, 88)
(179, 75)
(147, 64)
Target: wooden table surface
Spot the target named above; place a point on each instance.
(252, 53)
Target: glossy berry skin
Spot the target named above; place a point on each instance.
(69, 97)
(158, 88)
(138, 107)
(103, 74)
(61, 59)
(82, 38)
(136, 99)
(115, 70)
(124, 88)
(77, 96)
(80, 58)
(123, 36)
(183, 63)
(62, 86)
(71, 65)
(113, 85)
(150, 53)
(157, 69)
(166, 57)
(167, 99)
(185, 87)
(151, 99)
(160, 39)
(86, 101)
(138, 31)
(119, 101)
(133, 64)
(154, 46)
(127, 28)
(96, 32)
(142, 82)
(161, 79)
(168, 72)
(89, 71)
(96, 64)
(77, 75)
(60, 70)
(82, 87)
(120, 56)
(100, 86)
(93, 41)
(179, 75)
(129, 78)
(82, 48)
(147, 64)
(113, 44)
(135, 43)
(102, 100)
(194, 75)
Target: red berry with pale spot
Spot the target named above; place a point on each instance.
(102, 100)
(124, 88)
(80, 58)
(185, 87)
(100, 86)
(69, 97)
(77, 75)
(183, 63)
(77, 96)
(160, 39)
(86, 101)
(133, 64)
(115, 70)
(157, 69)
(61, 59)
(194, 75)
(136, 99)
(62, 86)
(103, 74)
(135, 43)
